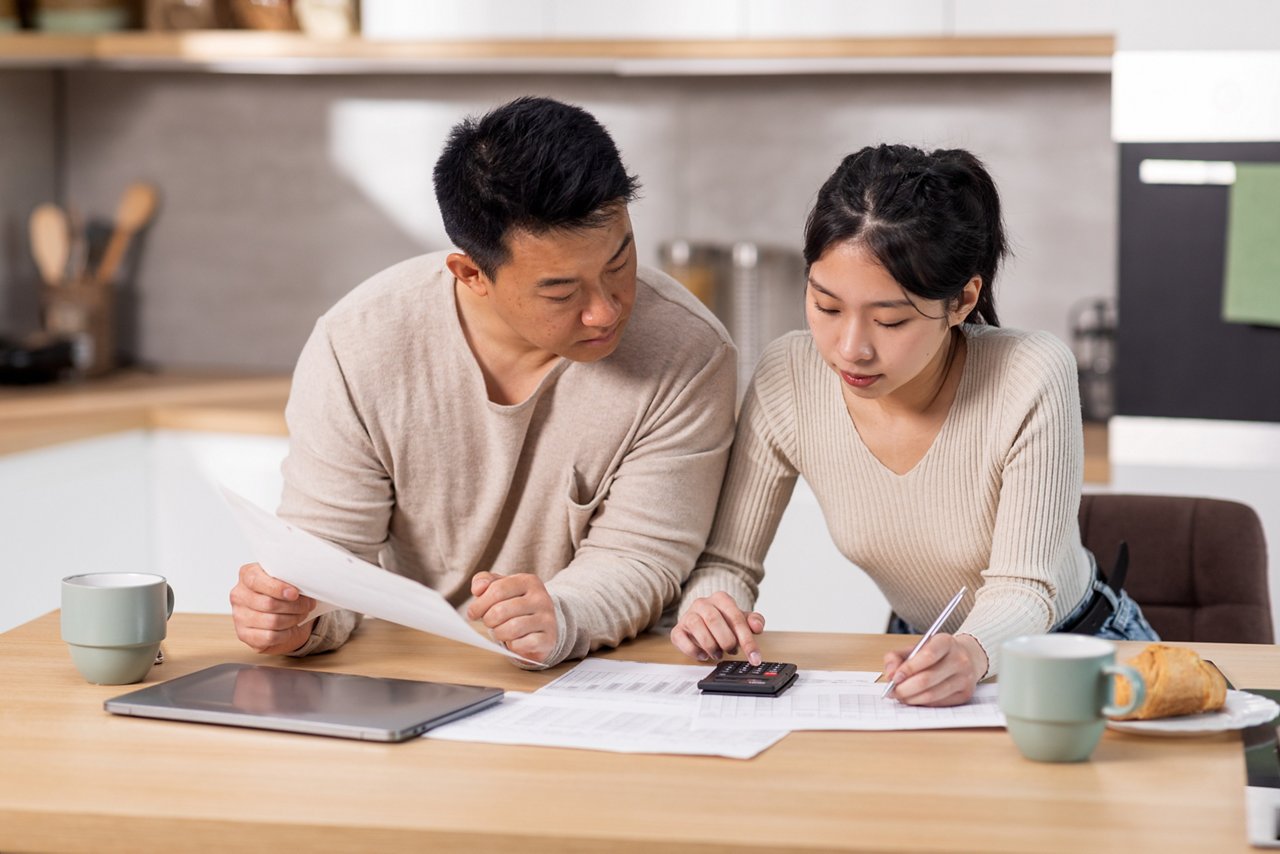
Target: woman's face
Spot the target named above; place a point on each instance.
(871, 332)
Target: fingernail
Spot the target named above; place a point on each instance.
(702, 656)
(755, 658)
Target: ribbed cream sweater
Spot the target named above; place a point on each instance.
(991, 505)
(602, 483)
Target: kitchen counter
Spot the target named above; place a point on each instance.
(33, 417)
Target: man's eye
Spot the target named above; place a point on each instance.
(564, 298)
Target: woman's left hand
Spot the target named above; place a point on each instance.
(944, 672)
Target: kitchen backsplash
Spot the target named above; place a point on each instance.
(281, 193)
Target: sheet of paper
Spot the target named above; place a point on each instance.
(617, 726)
(666, 684)
(841, 706)
(637, 682)
(338, 579)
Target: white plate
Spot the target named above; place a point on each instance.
(1241, 710)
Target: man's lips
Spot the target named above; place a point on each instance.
(603, 339)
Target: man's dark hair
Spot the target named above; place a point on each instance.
(534, 164)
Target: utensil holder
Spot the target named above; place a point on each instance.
(84, 312)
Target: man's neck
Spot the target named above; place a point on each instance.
(512, 368)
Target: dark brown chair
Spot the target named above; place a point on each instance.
(1197, 566)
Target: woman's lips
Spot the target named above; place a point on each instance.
(859, 380)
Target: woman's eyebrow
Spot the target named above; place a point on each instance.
(884, 303)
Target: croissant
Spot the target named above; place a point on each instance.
(1178, 682)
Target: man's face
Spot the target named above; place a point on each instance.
(569, 292)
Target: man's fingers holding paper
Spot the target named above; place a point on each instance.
(518, 611)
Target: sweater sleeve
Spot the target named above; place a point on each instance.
(652, 523)
(335, 487)
(761, 477)
(1039, 496)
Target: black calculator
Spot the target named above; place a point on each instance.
(768, 679)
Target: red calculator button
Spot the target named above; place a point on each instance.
(771, 673)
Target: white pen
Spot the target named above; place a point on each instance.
(933, 630)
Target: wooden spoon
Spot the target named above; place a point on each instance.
(135, 210)
(50, 242)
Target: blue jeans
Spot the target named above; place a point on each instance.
(1125, 623)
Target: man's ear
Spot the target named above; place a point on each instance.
(468, 273)
(966, 302)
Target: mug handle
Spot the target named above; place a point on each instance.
(168, 592)
(1138, 690)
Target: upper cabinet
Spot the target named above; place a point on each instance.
(657, 37)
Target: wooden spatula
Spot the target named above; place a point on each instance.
(50, 242)
(135, 210)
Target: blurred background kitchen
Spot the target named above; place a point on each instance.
(186, 185)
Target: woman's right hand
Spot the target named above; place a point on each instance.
(715, 626)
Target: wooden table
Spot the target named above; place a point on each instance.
(74, 778)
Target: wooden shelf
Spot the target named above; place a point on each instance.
(287, 53)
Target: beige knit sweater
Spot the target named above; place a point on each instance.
(992, 504)
(602, 483)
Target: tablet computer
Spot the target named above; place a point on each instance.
(306, 701)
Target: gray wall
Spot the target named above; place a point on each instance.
(28, 176)
(282, 193)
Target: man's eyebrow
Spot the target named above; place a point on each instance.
(555, 282)
(626, 241)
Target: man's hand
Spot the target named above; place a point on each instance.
(714, 625)
(944, 672)
(268, 613)
(518, 611)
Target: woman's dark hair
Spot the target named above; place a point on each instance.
(931, 219)
(533, 164)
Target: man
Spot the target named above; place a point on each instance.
(531, 422)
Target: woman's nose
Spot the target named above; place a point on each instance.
(855, 345)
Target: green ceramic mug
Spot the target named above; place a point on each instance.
(113, 623)
(1056, 692)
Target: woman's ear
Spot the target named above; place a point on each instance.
(468, 273)
(965, 302)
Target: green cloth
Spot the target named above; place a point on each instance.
(1252, 281)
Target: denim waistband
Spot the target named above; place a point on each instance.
(1096, 588)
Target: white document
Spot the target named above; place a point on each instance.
(616, 726)
(835, 706)
(337, 579)
(635, 682)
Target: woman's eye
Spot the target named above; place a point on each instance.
(825, 310)
(891, 325)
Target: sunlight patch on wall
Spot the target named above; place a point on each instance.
(388, 149)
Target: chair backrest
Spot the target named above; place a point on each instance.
(1197, 566)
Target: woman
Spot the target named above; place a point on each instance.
(944, 450)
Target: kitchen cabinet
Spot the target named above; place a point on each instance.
(77, 507)
(138, 501)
